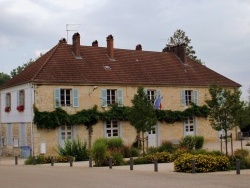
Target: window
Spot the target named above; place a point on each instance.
(112, 96)
(8, 102)
(188, 97)
(66, 132)
(151, 95)
(66, 97)
(20, 100)
(112, 129)
(189, 126)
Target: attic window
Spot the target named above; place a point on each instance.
(107, 67)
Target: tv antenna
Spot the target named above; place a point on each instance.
(69, 28)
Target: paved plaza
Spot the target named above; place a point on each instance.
(81, 175)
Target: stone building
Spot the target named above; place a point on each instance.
(76, 77)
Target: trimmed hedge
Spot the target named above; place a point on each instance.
(203, 163)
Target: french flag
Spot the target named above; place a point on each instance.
(157, 102)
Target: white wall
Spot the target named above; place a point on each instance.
(14, 115)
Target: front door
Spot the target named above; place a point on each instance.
(152, 137)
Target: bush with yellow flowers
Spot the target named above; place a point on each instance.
(161, 157)
(203, 163)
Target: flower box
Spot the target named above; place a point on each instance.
(7, 109)
(20, 108)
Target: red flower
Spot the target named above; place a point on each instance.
(7, 109)
(20, 108)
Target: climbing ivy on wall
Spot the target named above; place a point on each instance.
(90, 117)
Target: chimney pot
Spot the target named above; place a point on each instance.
(179, 50)
(76, 44)
(110, 46)
(95, 43)
(138, 47)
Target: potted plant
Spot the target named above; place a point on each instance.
(20, 108)
(7, 109)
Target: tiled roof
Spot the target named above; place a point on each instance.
(130, 67)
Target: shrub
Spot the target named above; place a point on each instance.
(152, 150)
(241, 153)
(206, 152)
(198, 142)
(161, 157)
(192, 142)
(203, 163)
(178, 152)
(74, 148)
(167, 146)
(117, 159)
(187, 142)
(42, 159)
(99, 153)
(134, 152)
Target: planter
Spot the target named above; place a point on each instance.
(7, 109)
(20, 108)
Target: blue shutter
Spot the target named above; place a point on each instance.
(145, 91)
(183, 98)
(195, 97)
(75, 98)
(57, 102)
(104, 98)
(120, 97)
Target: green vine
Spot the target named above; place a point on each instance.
(90, 117)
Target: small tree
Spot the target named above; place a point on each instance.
(142, 114)
(224, 109)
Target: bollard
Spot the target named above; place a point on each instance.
(90, 162)
(16, 160)
(70, 161)
(110, 163)
(52, 161)
(237, 166)
(131, 163)
(193, 165)
(156, 165)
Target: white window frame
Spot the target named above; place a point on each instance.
(21, 98)
(189, 126)
(112, 96)
(112, 129)
(64, 97)
(8, 100)
(188, 97)
(151, 93)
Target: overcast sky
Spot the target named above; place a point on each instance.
(219, 29)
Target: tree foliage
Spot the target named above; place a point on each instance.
(224, 108)
(142, 114)
(19, 69)
(3, 78)
(179, 38)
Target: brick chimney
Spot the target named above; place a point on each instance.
(95, 43)
(110, 47)
(76, 44)
(179, 51)
(138, 47)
